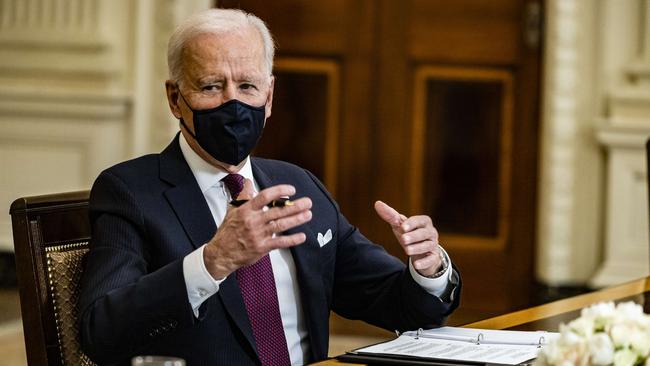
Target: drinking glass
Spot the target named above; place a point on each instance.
(157, 361)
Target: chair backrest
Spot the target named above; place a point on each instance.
(647, 160)
(51, 235)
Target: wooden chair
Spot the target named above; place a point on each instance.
(51, 235)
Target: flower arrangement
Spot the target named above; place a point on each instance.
(604, 334)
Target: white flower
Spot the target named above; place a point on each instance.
(570, 349)
(621, 334)
(624, 357)
(604, 334)
(629, 311)
(601, 349)
(551, 354)
(584, 327)
(600, 310)
(640, 342)
(569, 336)
(601, 313)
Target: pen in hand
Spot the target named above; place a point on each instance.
(275, 203)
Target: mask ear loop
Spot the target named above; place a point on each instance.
(188, 106)
(187, 128)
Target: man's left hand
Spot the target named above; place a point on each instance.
(417, 236)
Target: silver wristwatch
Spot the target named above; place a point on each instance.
(443, 267)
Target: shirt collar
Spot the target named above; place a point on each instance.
(207, 175)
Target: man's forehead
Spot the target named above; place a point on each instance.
(243, 45)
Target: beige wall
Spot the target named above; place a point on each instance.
(593, 220)
(81, 88)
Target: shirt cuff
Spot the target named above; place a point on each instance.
(198, 281)
(435, 286)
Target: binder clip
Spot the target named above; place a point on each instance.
(418, 333)
(541, 342)
(479, 339)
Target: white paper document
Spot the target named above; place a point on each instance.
(464, 345)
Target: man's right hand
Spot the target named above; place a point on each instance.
(247, 232)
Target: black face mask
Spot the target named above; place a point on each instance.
(228, 132)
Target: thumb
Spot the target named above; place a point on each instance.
(388, 214)
(247, 192)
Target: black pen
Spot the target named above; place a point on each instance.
(275, 203)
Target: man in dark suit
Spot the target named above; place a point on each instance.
(176, 267)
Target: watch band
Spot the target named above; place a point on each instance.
(443, 267)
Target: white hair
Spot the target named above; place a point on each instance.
(215, 21)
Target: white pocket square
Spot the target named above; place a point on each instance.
(324, 239)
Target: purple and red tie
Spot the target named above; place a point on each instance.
(257, 286)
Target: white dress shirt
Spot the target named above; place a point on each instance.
(201, 285)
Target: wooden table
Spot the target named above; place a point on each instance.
(550, 316)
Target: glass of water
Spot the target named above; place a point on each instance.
(157, 361)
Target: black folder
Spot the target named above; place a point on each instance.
(377, 359)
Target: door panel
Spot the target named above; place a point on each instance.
(461, 153)
(465, 31)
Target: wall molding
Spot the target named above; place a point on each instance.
(50, 156)
(81, 80)
(623, 133)
(559, 128)
(71, 105)
(594, 99)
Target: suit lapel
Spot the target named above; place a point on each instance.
(308, 268)
(233, 302)
(191, 208)
(185, 196)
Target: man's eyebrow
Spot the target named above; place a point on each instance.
(249, 78)
(210, 79)
(212, 76)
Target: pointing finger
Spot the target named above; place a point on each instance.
(270, 194)
(388, 214)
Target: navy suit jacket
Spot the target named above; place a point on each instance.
(147, 214)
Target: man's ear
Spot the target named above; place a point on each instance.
(172, 98)
(269, 98)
